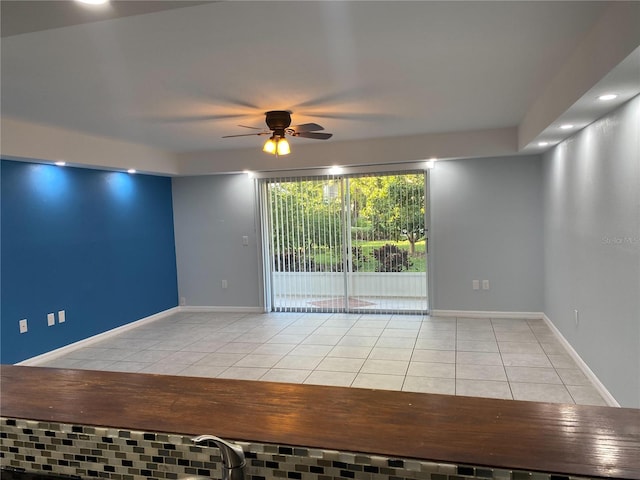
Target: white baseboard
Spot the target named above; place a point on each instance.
(486, 314)
(58, 352)
(206, 309)
(602, 390)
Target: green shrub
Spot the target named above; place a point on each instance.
(391, 258)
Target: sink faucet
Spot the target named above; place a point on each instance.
(232, 457)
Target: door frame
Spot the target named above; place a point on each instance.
(263, 222)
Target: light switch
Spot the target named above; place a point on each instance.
(51, 319)
(485, 284)
(61, 316)
(23, 325)
(245, 240)
(476, 284)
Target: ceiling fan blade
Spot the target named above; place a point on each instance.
(247, 134)
(253, 128)
(307, 127)
(317, 136)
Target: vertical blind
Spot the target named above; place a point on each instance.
(348, 244)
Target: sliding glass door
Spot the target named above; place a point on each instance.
(355, 243)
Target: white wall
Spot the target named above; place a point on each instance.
(211, 215)
(486, 223)
(592, 247)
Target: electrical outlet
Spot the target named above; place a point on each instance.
(485, 284)
(51, 319)
(476, 284)
(245, 240)
(23, 325)
(225, 284)
(62, 317)
(183, 301)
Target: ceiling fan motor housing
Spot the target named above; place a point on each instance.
(278, 121)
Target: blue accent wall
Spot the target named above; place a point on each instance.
(97, 244)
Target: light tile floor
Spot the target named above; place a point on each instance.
(500, 358)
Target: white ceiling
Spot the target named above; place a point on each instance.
(25, 16)
(178, 79)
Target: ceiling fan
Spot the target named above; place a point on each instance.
(279, 123)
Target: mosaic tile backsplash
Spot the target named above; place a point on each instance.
(80, 451)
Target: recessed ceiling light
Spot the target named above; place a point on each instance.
(566, 126)
(335, 170)
(93, 2)
(608, 96)
(543, 144)
(61, 164)
(131, 170)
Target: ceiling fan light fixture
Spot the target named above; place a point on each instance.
(270, 146)
(283, 147)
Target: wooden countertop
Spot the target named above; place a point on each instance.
(568, 439)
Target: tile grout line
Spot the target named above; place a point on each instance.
(455, 368)
(315, 369)
(368, 355)
(413, 349)
(504, 368)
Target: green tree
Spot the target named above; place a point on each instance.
(393, 205)
(370, 204)
(407, 193)
(305, 216)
